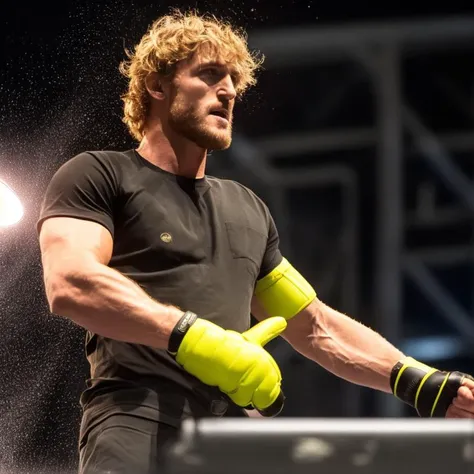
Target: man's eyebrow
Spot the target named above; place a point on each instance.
(212, 63)
(219, 65)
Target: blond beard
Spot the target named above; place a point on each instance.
(187, 124)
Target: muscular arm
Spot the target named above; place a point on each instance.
(80, 286)
(340, 344)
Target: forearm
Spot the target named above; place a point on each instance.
(105, 302)
(351, 350)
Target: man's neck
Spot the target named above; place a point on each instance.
(182, 157)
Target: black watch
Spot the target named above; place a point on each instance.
(180, 330)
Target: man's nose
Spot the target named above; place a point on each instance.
(227, 89)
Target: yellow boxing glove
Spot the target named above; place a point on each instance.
(235, 363)
(430, 391)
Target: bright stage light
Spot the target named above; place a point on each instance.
(11, 210)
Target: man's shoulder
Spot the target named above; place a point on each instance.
(110, 163)
(112, 157)
(237, 198)
(233, 188)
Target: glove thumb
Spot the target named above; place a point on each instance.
(263, 332)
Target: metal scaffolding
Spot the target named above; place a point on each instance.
(398, 131)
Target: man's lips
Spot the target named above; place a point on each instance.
(223, 113)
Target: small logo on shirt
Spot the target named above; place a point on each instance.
(166, 238)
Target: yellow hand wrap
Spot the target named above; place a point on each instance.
(235, 363)
(284, 291)
(428, 390)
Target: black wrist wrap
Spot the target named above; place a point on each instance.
(180, 330)
(428, 390)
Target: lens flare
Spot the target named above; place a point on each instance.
(11, 209)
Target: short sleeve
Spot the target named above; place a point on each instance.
(85, 187)
(272, 257)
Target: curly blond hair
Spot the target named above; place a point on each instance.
(173, 38)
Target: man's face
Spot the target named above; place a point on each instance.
(202, 100)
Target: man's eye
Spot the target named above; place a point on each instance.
(209, 72)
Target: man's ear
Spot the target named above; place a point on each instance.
(154, 86)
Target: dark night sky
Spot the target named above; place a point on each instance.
(59, 95)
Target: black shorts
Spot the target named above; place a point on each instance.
(126, 444)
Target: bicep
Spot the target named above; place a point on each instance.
(68, 243)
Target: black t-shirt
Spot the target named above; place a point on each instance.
(199, 244)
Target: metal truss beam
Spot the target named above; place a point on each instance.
(295, 46)
(444, 302)
(439, 158)
(379, 48)
(285, 144)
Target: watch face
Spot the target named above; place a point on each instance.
(11, 210)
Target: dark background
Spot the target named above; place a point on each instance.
(60, 94)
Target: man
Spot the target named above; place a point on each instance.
(163, 266)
